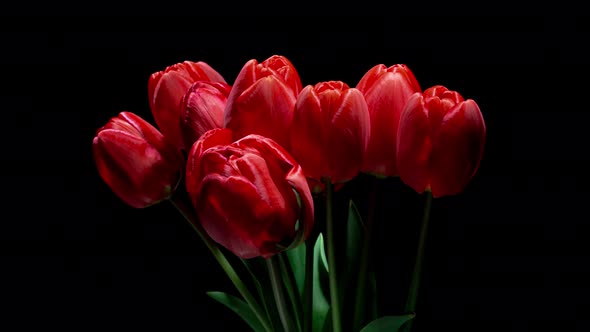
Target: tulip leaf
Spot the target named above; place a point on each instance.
(239, 307)
(355, 227)
(357, 269)
(387, 323)
(254, 269)
(296, 258)
(322, 255)
(354, 242)
(257, 267)
(321, 305)
(328, 322)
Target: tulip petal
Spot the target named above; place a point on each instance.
(166, 89)
(201, 71)
(296, 179)
(370, 77)
(348, 135)
(202, 109)
(265, 108)
(208, 140)
(281, 166)
(269, 179)
(168, 95)
(229, 209)
(385, 101)
(457, 149)
(246, 77)
(308, 134)
(284, 69)
(124, 162)
(414, 144)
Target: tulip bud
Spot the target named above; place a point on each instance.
(440, 143)
(202, 110)
(386, 91)
(330, 132)
(251, 196)
(135, 160)
(166, 89)
(262, 99)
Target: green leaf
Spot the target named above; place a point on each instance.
(372, 295)
(250, 267)
(320, 302)
(289, 282)
(387, 323)
(348, 284)
(239, 307)
(322, 255)
(257, 267)
(296, 258)
(354, 241)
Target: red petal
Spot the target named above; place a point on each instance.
(370, 77)
(457, 149)
(168, 95)
(130, 167)
(347, 135)
(233, 214)
(285, 172)
(308, 134)
(208, 140)
(202, 110)
(152, 83)
(201, 71)
(386, 99)
(246, 77)
(414, 144)
(274, 154)
(265, 108)
(285, 69)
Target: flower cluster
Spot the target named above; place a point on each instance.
(245, 163)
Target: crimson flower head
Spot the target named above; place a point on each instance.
(330, 132)
(136, 161)
(440, 141)
(250, 195)
(166, 89)
(386, 91)
(262, 99)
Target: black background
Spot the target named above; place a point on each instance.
(509, 253)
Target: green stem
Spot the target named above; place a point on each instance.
(334, 299)
(413, 292)
(277, 289)
(360, 309)
(308, 285)
(222, 260)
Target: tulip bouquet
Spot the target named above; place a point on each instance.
(254, 168)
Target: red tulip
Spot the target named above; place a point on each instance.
(330, 132)
(251, 196)
(135, 160)
(386, 91)
(166, 89)
(202, 110)
(440, 141)
(262, 99)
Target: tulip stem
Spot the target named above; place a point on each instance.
(334, 299)
(279, 294)
(415, 283)
(360, 309)
(222, 260)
